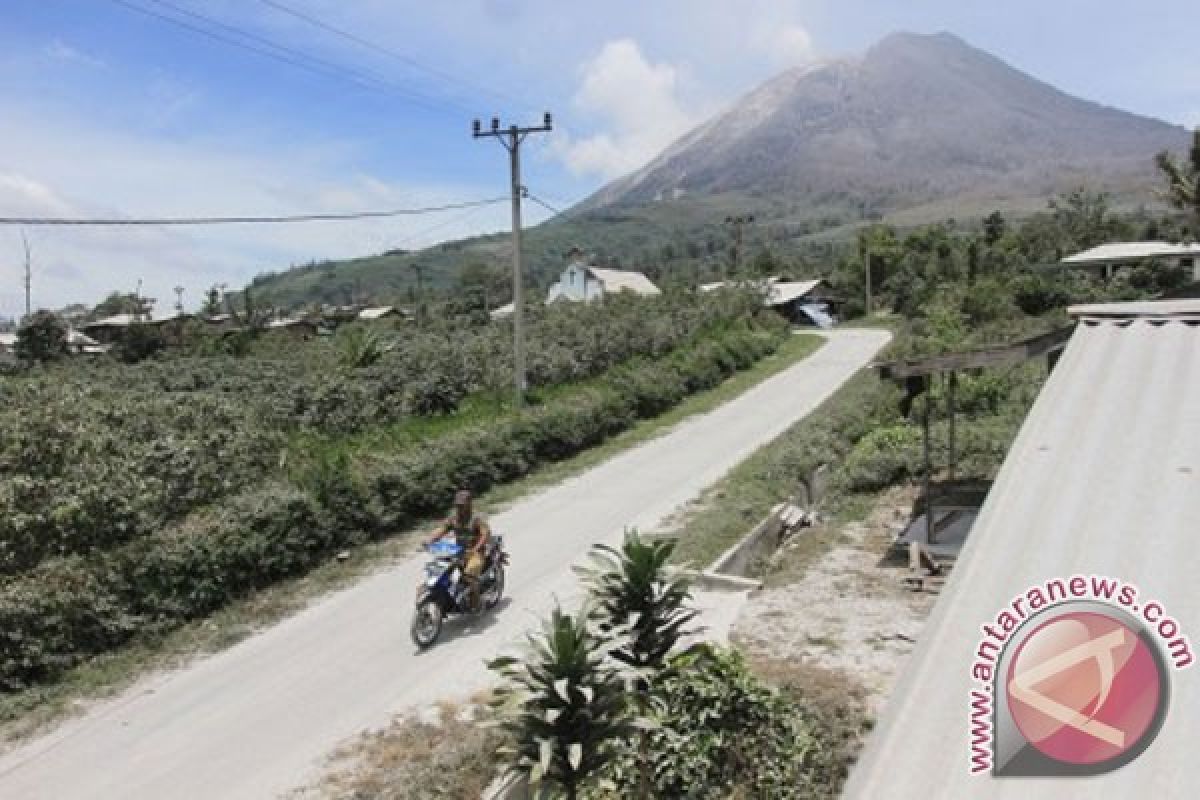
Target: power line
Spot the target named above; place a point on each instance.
(378, 48)
(332, 217)
(283, 53)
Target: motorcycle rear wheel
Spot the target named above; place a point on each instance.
(491, 597)
(426, 624)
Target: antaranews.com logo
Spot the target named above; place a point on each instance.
(1072, 678)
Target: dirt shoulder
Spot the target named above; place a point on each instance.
(845, 608)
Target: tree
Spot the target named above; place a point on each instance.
(994, 228)
(1183, 180)
(638, 601)
(1084, 217)
(139, 341)
(562, 705)
(42, 337)
(122, 303)
(212, 303)
(647, 610)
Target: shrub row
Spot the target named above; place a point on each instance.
(94, 454)
(70, 608)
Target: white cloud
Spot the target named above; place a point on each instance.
(785, 46)
(140, 175)
(637, 106)
(61, 51)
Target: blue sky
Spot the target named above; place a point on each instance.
(111, 111)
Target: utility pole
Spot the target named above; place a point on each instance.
(28, 274)
(737, 223)
(511, 137)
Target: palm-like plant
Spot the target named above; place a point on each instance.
(562, 705)
(645, 609)
(638, 600)
(1183, 179)
(360, 347)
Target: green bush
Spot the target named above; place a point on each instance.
(881, 458)
(725, 732)
(154, 577)
(42, 337)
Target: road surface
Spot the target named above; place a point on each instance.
(258, 719)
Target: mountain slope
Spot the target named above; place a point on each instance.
(917, 119)
(920, 128)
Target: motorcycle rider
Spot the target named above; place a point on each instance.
(471, 533)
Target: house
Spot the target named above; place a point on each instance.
(77, 344)
(801, 302)
(1108, 257)
(581, 281)
(502, 312)
(294, 327)
(109, 329)
(381, 312)
(8, 348)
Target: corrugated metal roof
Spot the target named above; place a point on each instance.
(1132, 251)
(376, 313)
(1104, 478)
(617, 280)
(1183, 307)
(782, 293)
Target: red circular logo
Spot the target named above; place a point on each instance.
(1084, 688)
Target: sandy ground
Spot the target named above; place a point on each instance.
(850, 611)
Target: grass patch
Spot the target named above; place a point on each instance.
(414, 760)
(32, 710)
(772, 474)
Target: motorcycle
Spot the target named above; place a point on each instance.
(445, 590)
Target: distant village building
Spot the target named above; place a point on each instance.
(295, 327)
(1108, 257)
(582, 282)
(381, 312)
(8, 348)
(77, 344)
(502, 312)
(109, 329)
(800, 302)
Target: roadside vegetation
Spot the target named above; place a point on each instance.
(146, 496)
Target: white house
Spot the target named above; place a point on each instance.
(1108, 257)
(581, 281)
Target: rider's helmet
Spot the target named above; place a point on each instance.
(462, 499)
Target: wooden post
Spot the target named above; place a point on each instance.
(929, 507)
(952, 383)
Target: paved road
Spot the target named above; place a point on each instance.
(257, 719)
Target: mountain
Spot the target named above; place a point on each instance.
(920, 128)
(919, 118)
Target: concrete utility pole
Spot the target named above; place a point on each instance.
(28, 274)
(511, 137)
(737, 223)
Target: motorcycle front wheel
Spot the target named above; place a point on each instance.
(426, 623)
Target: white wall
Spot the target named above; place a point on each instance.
(575, 284)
